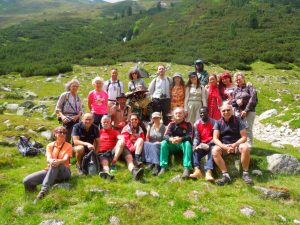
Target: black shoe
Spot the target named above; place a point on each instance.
(137, 173)
(247, 179)
(155, 170)
(186, 173)
(162, 171)
(150, 166)
(224, 180)
(103, 175)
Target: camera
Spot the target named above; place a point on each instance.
(163, 96)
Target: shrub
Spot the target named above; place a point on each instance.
(283, 66)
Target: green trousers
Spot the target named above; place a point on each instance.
(167, 147)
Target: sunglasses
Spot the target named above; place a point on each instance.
(226, 110)
(60, 132)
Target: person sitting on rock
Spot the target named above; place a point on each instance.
(85, 137)
(110, 142)
(120, 113)
(58, 157)
(178, 137)
(230, 136)
(202, 145)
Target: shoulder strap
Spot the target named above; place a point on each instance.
(109, 83)
(67, 96)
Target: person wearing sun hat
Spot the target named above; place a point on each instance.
(154, 137)
(201, 73)
(177, 91)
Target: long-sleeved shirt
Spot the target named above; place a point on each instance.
(183, 129)
(249, 98)
(160, 87)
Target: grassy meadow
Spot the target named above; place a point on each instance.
(92, 200)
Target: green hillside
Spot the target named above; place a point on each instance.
(231, 33)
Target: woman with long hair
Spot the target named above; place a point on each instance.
(177, 91)
(214, 101)
(226, 86)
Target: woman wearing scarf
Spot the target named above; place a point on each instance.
(214, 98)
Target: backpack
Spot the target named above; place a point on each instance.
(26, 148)
(90, 164)
(109, 83)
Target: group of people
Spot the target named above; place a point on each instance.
(209, 115)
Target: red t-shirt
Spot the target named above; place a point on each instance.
(108, 139)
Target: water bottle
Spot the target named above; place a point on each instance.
(92, 168)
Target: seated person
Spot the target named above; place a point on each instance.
(85, 137)
(58, 157)
(178, 137)
(110, 141)
(154, 137)
(230, 136)
(120, 112)
(202, 144)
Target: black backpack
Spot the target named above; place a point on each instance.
(26, 148)
(90, 164)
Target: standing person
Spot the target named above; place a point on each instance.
(195, 98)
(202, 145)
(136, 83)
(229, 137)
(69, 107)
(159, 89)
(113, 87)
(154, 137)
(97, 101)
(111, 142)
(244, 101)
(58, 155)
(120, 113)
(134, 137)
(201, 73)
(177, 91)
(226, 87)
(178, 137)
(214, 99)
(85, 137)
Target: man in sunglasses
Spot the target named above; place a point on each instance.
(230, 136)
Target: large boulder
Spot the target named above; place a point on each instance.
(280, 163)
(12, 107)
(29, 95)
(267, 114)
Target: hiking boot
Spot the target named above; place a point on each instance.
(79, 171)
(155, 170)
(186, 173)
(137, 173)
(103, 175)
(113, 167)
(208, 176)
(162, 171)
(197, 174)
(150, 166)
(248, 180)
(224, 180)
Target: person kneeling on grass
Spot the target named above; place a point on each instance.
(110, 142)
(58, 154)
(202, 145)
(85, 137)
(230, 136)
(178, 137)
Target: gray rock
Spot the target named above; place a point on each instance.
(21, 127)
(27, 104)
(52, 222)
(66, 186)
(9, 125)
(6, 121)
(296, 221)
(276, 100)
(279, 163)
(247, 211)
(273, 193)
(282, 218)
(20, 210)
(97, 190)
(40, 129)
(6, 89)
(47, 134)
(257, 173)
(201, 208)
(171, 203)
(29, 95)
(113, 220)
(297, 97)
(154, 194)
(189, 214)
(139, 193)
(267, 114)
(12, 107)
(32, 132)
(48, 79)
(21, 111)
(176, 179)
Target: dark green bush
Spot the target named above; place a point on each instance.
(283, 66)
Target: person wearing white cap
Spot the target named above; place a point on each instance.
(154, 137)
(177, 91)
